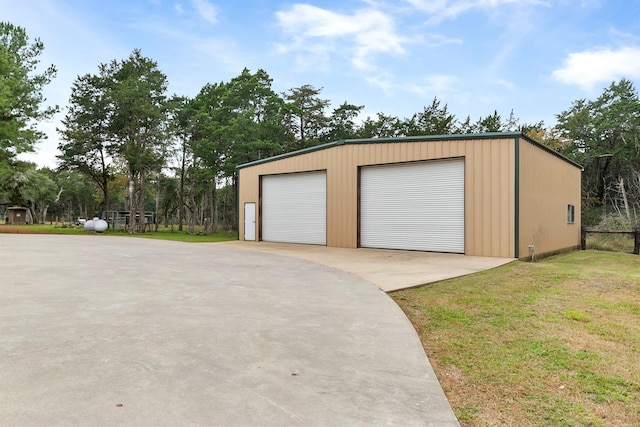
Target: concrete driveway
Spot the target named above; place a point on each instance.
(390, 270)
(99, 330)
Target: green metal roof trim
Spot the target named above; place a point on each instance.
(449, 137)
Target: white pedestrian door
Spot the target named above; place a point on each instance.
(250, 221)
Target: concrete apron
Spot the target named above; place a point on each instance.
(389, 270)
(100, 330)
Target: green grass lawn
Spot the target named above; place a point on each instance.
(163, 233)
(556, 342)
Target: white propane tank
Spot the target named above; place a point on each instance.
(89, 225)
(100, 225)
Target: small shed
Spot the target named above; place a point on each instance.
(493, 194)
(18, 215)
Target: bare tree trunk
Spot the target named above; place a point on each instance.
(181, 192)
(214, 209)
(192, 207)
(132, 203)
(105, 181)
(46, 208)
(143, 219)
(31, 213)
(206, 203)
(31, 219)
(624, 199)
(202, 210)
(157, 200)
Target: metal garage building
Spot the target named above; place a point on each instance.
(495, 194)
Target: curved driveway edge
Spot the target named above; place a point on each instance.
(388, 269)
(100, 330)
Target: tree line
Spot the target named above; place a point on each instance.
(126, 144)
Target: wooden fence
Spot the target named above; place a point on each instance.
(636, 237)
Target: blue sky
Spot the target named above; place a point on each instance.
(532, 56)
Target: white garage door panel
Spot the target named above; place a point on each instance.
(415, 206)
(294, 208)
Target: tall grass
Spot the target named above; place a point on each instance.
(612, 242)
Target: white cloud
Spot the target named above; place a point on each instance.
(435, 85)
(178, 9)
(437, 40)
(449, 9)
(383, 81)
(441, 86)
(314, 56)
(368, 31)
(588, 68)
(206, 10)
(623, 36)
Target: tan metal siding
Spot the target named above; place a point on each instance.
(547, 185)
(489, 186)
(489, 200)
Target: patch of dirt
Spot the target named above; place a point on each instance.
(19, 229)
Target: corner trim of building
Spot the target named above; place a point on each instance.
(239, 207)
(516, 201)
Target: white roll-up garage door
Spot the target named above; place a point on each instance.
(294, 208)
(414, 206)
